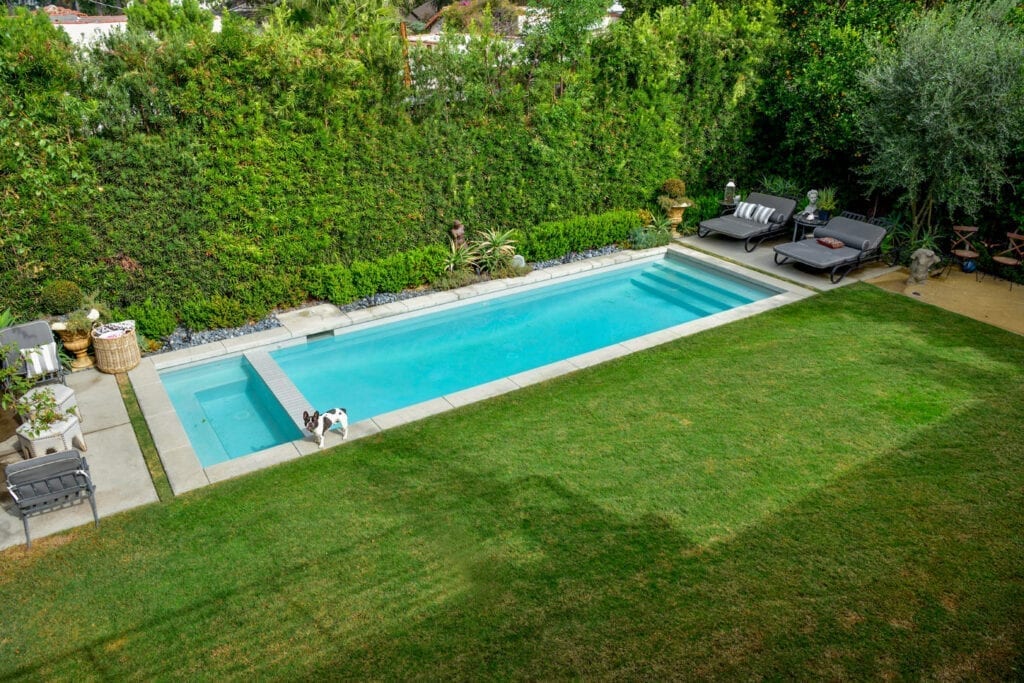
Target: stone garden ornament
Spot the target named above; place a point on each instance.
(921, 262)
(812, 204)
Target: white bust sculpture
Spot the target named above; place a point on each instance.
(812, 204)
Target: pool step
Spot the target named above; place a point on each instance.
(735, 295)
(689, 294)
(283, 389)
(674, 295)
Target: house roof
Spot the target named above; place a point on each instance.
(65, 15)
(54, 10)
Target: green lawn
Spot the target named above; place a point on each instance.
(830, 490)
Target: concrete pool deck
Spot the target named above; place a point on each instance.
(115, 459)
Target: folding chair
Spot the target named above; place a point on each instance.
(961, 248)
(1011, 257)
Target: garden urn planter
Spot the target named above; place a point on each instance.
(675, 214)
(78, 344)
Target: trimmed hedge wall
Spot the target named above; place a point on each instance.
(218, 176)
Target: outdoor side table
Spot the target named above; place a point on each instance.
(803, 225)
(61, 436)
(63, 395)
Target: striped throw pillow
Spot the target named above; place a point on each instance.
(41, 360)
(744, 210)
(763, 214)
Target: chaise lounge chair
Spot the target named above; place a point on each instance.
(34, 351)
(846, 242)
(752, 226)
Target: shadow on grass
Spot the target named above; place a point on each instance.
(909, 566)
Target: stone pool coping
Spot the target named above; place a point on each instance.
(184, 471)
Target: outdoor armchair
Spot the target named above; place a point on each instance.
(34, 351)
(48, 482)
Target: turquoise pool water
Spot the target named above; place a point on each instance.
(227, 410)
(389, 366)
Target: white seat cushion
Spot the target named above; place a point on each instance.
(41, 360)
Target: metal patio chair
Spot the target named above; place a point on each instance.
(1011, 257)
(49, 482)
(961, 248)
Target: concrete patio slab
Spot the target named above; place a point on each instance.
(115, 460)
(763, 259)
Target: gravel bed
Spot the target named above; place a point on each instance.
(183, 339)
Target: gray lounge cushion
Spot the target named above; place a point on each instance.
(857, 234)
(859, 237)
(743, 228)
(816, 255)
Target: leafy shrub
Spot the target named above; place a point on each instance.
(332, 282)
(511, 270)
(60, 296)
(557, 238)
(780, 186)
(705, 206)
(153, 319)
(397, 272)
(673, 193)
(460, 257)
(453, 279)
(657, 233)
(495, 249)
(216, 312)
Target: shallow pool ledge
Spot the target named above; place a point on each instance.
(182, 465)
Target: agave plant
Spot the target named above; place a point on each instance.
(461, 257)
(495, 249)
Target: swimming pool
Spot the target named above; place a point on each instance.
(389, 365)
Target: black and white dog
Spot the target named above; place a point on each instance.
(318, 425)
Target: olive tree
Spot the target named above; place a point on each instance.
(941, 111)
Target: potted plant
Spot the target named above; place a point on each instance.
(75, 335)
(75, 329)
(673, 200)
(826, 203)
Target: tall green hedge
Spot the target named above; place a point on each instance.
(224, 174)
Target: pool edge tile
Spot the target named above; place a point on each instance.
(543, 373)
(311, 320)
(236, 467)
(598, 356)
(272, 337)
(481, 392)
(184, 473)
(173, 359)
(419, 411)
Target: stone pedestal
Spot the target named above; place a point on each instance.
(61, 436)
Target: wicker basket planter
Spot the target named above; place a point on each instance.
(120, 354)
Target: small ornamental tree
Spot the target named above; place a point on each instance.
(942, 111)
